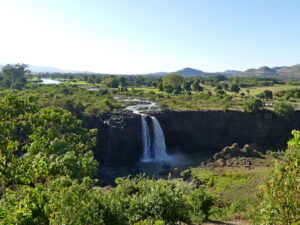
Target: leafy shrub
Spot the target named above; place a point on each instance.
(142, 199)
(284, 110)
(253, 105)
(150, 222)
(39, 144)
(280, 193)
(201, 204)
(62, 201)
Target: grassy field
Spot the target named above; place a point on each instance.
(235, 189)
(275, 88)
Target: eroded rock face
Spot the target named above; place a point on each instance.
(197, 131)
(119, 137)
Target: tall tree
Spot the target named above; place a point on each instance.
(14, 76)
(172, 82)
(196, 85)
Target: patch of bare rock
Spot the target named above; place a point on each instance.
(234, 156)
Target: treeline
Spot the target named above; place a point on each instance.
(13, 76)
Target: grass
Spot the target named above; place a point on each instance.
(275, 88)
(147, 90)
(72, 82)
(235, 189)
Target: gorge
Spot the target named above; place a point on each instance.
(120, 137)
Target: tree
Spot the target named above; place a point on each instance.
(172, 82)
(284, 110)
(196, 85)
(122, 82)
(218, 88)
(111, 82)
(268, 94)
(186, 86)
(40, 144)
(14, 76)
(234, 88)
(254, 105)
(225, 86)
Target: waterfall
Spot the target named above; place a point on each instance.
(157, 145)
(146, 140)
(154, 146)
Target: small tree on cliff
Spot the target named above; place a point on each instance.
(284, 110)
(254, 105)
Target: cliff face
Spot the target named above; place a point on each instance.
(213, 130)
(119, 138)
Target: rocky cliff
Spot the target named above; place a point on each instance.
(119, 139)
(213, 130)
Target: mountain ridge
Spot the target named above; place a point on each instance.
(264, 71)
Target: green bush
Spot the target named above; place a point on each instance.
(62, 201)
(143, 199)
(280, 193)
(201, 204)
(254, 105)
(284, 110)
(38, 144)
(150, 222)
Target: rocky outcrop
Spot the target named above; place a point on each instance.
(234, 151)
(234, 156)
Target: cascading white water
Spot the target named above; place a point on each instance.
(159, 145)
(146, 140)
(154, 149)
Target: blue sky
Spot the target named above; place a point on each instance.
(142, 36)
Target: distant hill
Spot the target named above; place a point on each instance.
(156, 74)
(231, 72)
(260, 72)
(289, 71)
(188, 72)
(282, 71)
(264, 71)
(46, 69)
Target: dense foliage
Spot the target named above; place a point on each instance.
(46, 170)
(280, 194)
(13, 76)
(254, 105)
(172, 83)
(41, 143)
(284, 110)
(79, 101)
